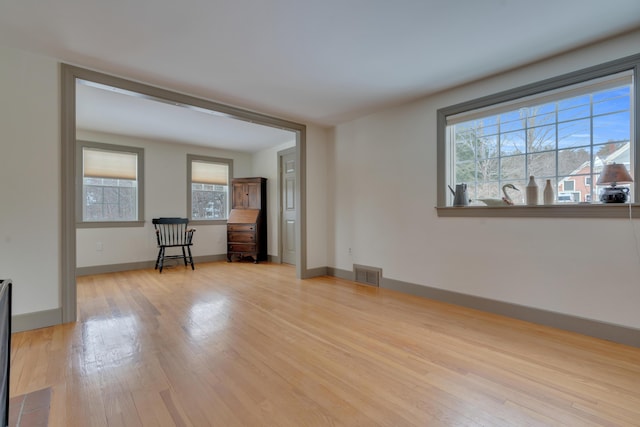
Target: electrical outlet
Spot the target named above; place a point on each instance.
(350, 251)
(99, 246)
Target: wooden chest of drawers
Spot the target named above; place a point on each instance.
(243, 230)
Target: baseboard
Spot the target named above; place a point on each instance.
(273, 258)
(141, 265)
(594, 328)
(36, 320)
(342, 274)
(315, 272)
(114, 268)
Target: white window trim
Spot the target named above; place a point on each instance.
(190, 159)
(622, 210)
(80, 223)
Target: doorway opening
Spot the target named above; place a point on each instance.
(70, 76)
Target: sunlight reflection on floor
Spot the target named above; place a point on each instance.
(109, 342)
(208, 317)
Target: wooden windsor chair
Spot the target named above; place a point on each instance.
(173, 233)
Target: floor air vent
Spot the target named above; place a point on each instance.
(367, 275)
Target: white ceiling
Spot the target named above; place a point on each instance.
(314, 61)
(114, 111)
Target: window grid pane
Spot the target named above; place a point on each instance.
(566, 141)
(209, 201)
(109, 200)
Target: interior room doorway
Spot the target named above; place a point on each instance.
(70, 75)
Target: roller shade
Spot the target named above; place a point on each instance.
(209, 173)
(109, 164)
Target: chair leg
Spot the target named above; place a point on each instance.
(158, 259)
(161, 255)
(190, 257)
(184, 257)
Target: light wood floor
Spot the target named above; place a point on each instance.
(249, 345)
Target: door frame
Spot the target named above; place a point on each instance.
(69, 74)
(280, 200)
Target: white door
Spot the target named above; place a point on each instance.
(289, 205)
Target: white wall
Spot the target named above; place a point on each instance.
(383, 196)
(165, 195)
(30, 179)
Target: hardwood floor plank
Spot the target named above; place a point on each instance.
(242, 344)
(177, 416)
(152, 410)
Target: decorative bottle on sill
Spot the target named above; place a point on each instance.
(548, 193)
(532, 192)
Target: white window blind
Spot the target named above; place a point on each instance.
(209, 173)
(109, 164)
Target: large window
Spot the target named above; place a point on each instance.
(111, 183)
(208, 187)
(560, 136)
(565, 134)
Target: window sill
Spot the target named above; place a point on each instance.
(596, 210)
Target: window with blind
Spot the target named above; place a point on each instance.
(111, 182)
(564, 134)
(208, 187)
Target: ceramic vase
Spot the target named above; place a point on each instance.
(532, 192)
(548, 195)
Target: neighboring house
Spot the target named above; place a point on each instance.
(579, 185)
